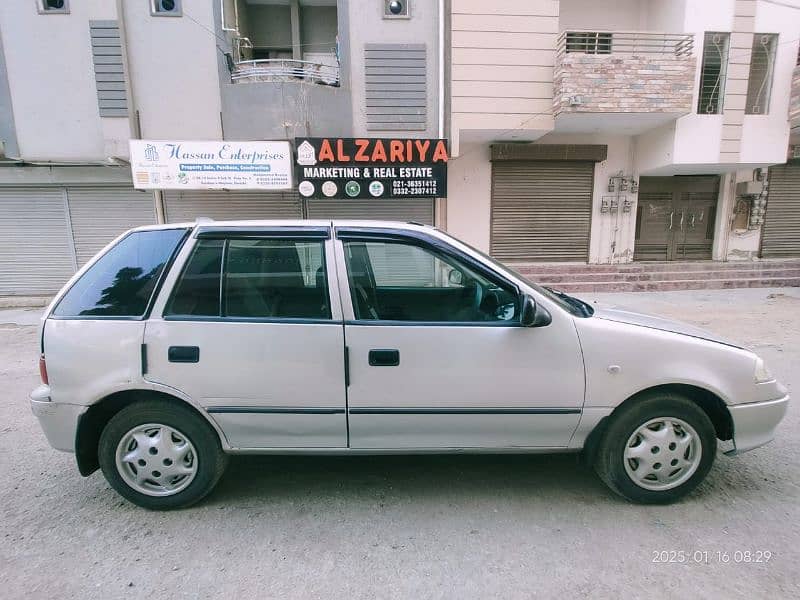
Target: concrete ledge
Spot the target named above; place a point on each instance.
(24, 301)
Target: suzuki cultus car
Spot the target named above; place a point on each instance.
(178, 345)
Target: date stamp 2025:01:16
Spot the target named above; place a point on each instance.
(707, 557)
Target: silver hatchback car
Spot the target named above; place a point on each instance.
(180, 344)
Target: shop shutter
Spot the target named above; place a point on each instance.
(221, 205)
(419, 210)
(541, 210)
(35, 247)
(780, 236)
(98, 215)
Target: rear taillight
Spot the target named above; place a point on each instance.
(43, 370)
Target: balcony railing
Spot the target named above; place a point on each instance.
(284, 69)
(637, 43)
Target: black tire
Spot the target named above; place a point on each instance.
(609, 461)
(211, 460)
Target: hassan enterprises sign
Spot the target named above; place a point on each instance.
(211, 165)
(371, 168)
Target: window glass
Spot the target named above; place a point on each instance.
(588, 42)
(275, 279)
(713, 73)
(762, 67)
(403, 282)
(197, 290)
(121, 282)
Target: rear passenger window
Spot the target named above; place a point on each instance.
(122, 281)
(261, 278)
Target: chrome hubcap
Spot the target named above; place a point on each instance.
(156, 460)
(662, 454)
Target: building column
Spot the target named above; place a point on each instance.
(297, 49)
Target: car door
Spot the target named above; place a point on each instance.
(251, 332)
(437, 357)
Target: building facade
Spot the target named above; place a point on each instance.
(599, 132)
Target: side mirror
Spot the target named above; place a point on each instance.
(533, 315)
(455, 277)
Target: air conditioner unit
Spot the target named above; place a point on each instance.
(749, 188)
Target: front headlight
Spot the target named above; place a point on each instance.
(762, 374)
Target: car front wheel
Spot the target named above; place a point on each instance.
(160, 456)
(657, 449)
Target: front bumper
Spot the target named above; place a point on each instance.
(754, 423)
(59, 421)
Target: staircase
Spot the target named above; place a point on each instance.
(663, 276)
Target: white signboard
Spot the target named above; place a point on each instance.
(160, 165)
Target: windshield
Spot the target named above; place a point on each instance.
(572, 305)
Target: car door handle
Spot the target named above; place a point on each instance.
(183, 354)
(384, 358)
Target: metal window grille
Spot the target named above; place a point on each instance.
(588, 42)
(713, 73)
(762, 67)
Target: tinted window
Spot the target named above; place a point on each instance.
(197, 290)
(121, 282)
(404, 282)
(275, 278)
(261, 279)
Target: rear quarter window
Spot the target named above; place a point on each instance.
(121, 283)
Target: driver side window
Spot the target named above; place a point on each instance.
(398, 281)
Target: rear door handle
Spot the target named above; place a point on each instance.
(384, 358)
(183, 354)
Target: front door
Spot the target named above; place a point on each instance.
(437, 358)
(251, 333)
(675, 218)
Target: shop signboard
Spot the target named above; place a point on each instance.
(211, 165)
(375, 168)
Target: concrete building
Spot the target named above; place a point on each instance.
(617, 131)
(581, 131)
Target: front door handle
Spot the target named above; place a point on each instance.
(384, 358)
(183, 354)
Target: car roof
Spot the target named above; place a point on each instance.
(201, 222)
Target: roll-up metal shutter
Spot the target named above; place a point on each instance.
(98, 215)
(405, 209)
(780, 236)
(36, 255)
(541, 210)
(221, 205)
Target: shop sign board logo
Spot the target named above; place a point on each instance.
(371, 167)
(211, 165)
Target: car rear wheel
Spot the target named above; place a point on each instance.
(160, 456)
(657, 449)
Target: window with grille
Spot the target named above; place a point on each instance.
(762, 67)
(588, 42)
(713, 72)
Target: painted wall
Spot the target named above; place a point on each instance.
(269, 25)
(469, 192)
(8, 132)
(609, 15)
(367, 26)
(318, 28)
(51, 79)
(172, 64)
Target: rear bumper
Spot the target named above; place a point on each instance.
(58, 421)
(754, 423)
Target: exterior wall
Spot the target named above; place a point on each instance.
(367, 26)
(502, 60)
(608, 15)
(8, 132)
(794, 102)
(469, 193)
(171, 61)
(611, 84)
(49, 66)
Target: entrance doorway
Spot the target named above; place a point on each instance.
(675, 218)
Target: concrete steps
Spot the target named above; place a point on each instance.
(663, 276)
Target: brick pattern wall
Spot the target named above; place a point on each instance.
(794, 100)
(624, 83)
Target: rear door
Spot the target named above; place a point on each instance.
(252, 333)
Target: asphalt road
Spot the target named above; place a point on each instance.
(410, 527)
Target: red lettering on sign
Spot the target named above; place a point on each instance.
(440, 152)
(326, 152)
(422, 149)
(396, 151)
(361, 153)
(340, 155)
(378, 152)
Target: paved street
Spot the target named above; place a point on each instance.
(408, 527)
